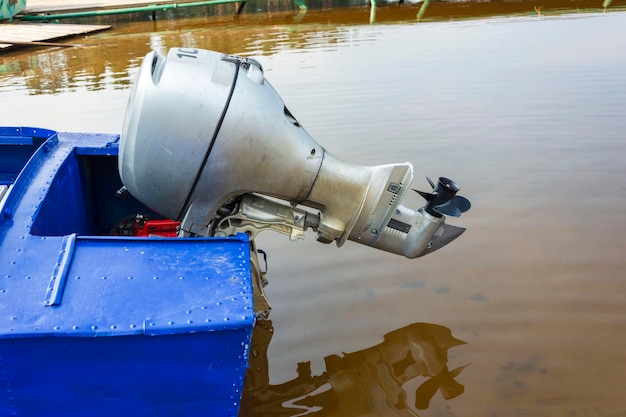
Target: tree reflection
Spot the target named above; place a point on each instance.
(368, 382)
(110, 58)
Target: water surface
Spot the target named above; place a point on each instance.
(526, 113)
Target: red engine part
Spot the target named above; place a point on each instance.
(165, 228)
(140, 226)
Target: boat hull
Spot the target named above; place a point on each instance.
(94, 323)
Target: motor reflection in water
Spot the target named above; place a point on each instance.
(369, 382)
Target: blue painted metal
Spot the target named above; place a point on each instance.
(99, 325)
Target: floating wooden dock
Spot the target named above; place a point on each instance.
(64, 9)
(41, 34)
(22, 31)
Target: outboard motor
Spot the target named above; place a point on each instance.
(207, 141)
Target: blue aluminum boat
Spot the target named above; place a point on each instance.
(96, 320)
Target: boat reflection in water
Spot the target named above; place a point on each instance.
(363, 383)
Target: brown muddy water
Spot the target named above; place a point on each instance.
(526, 113)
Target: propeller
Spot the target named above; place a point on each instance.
(443, 200)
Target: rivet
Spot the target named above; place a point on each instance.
(94, 327)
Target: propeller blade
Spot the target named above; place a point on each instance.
(427, 196)
(448, 209)
(454, 207)
(443, 200)
(462, 203)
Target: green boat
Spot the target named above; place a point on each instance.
(9, 8)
